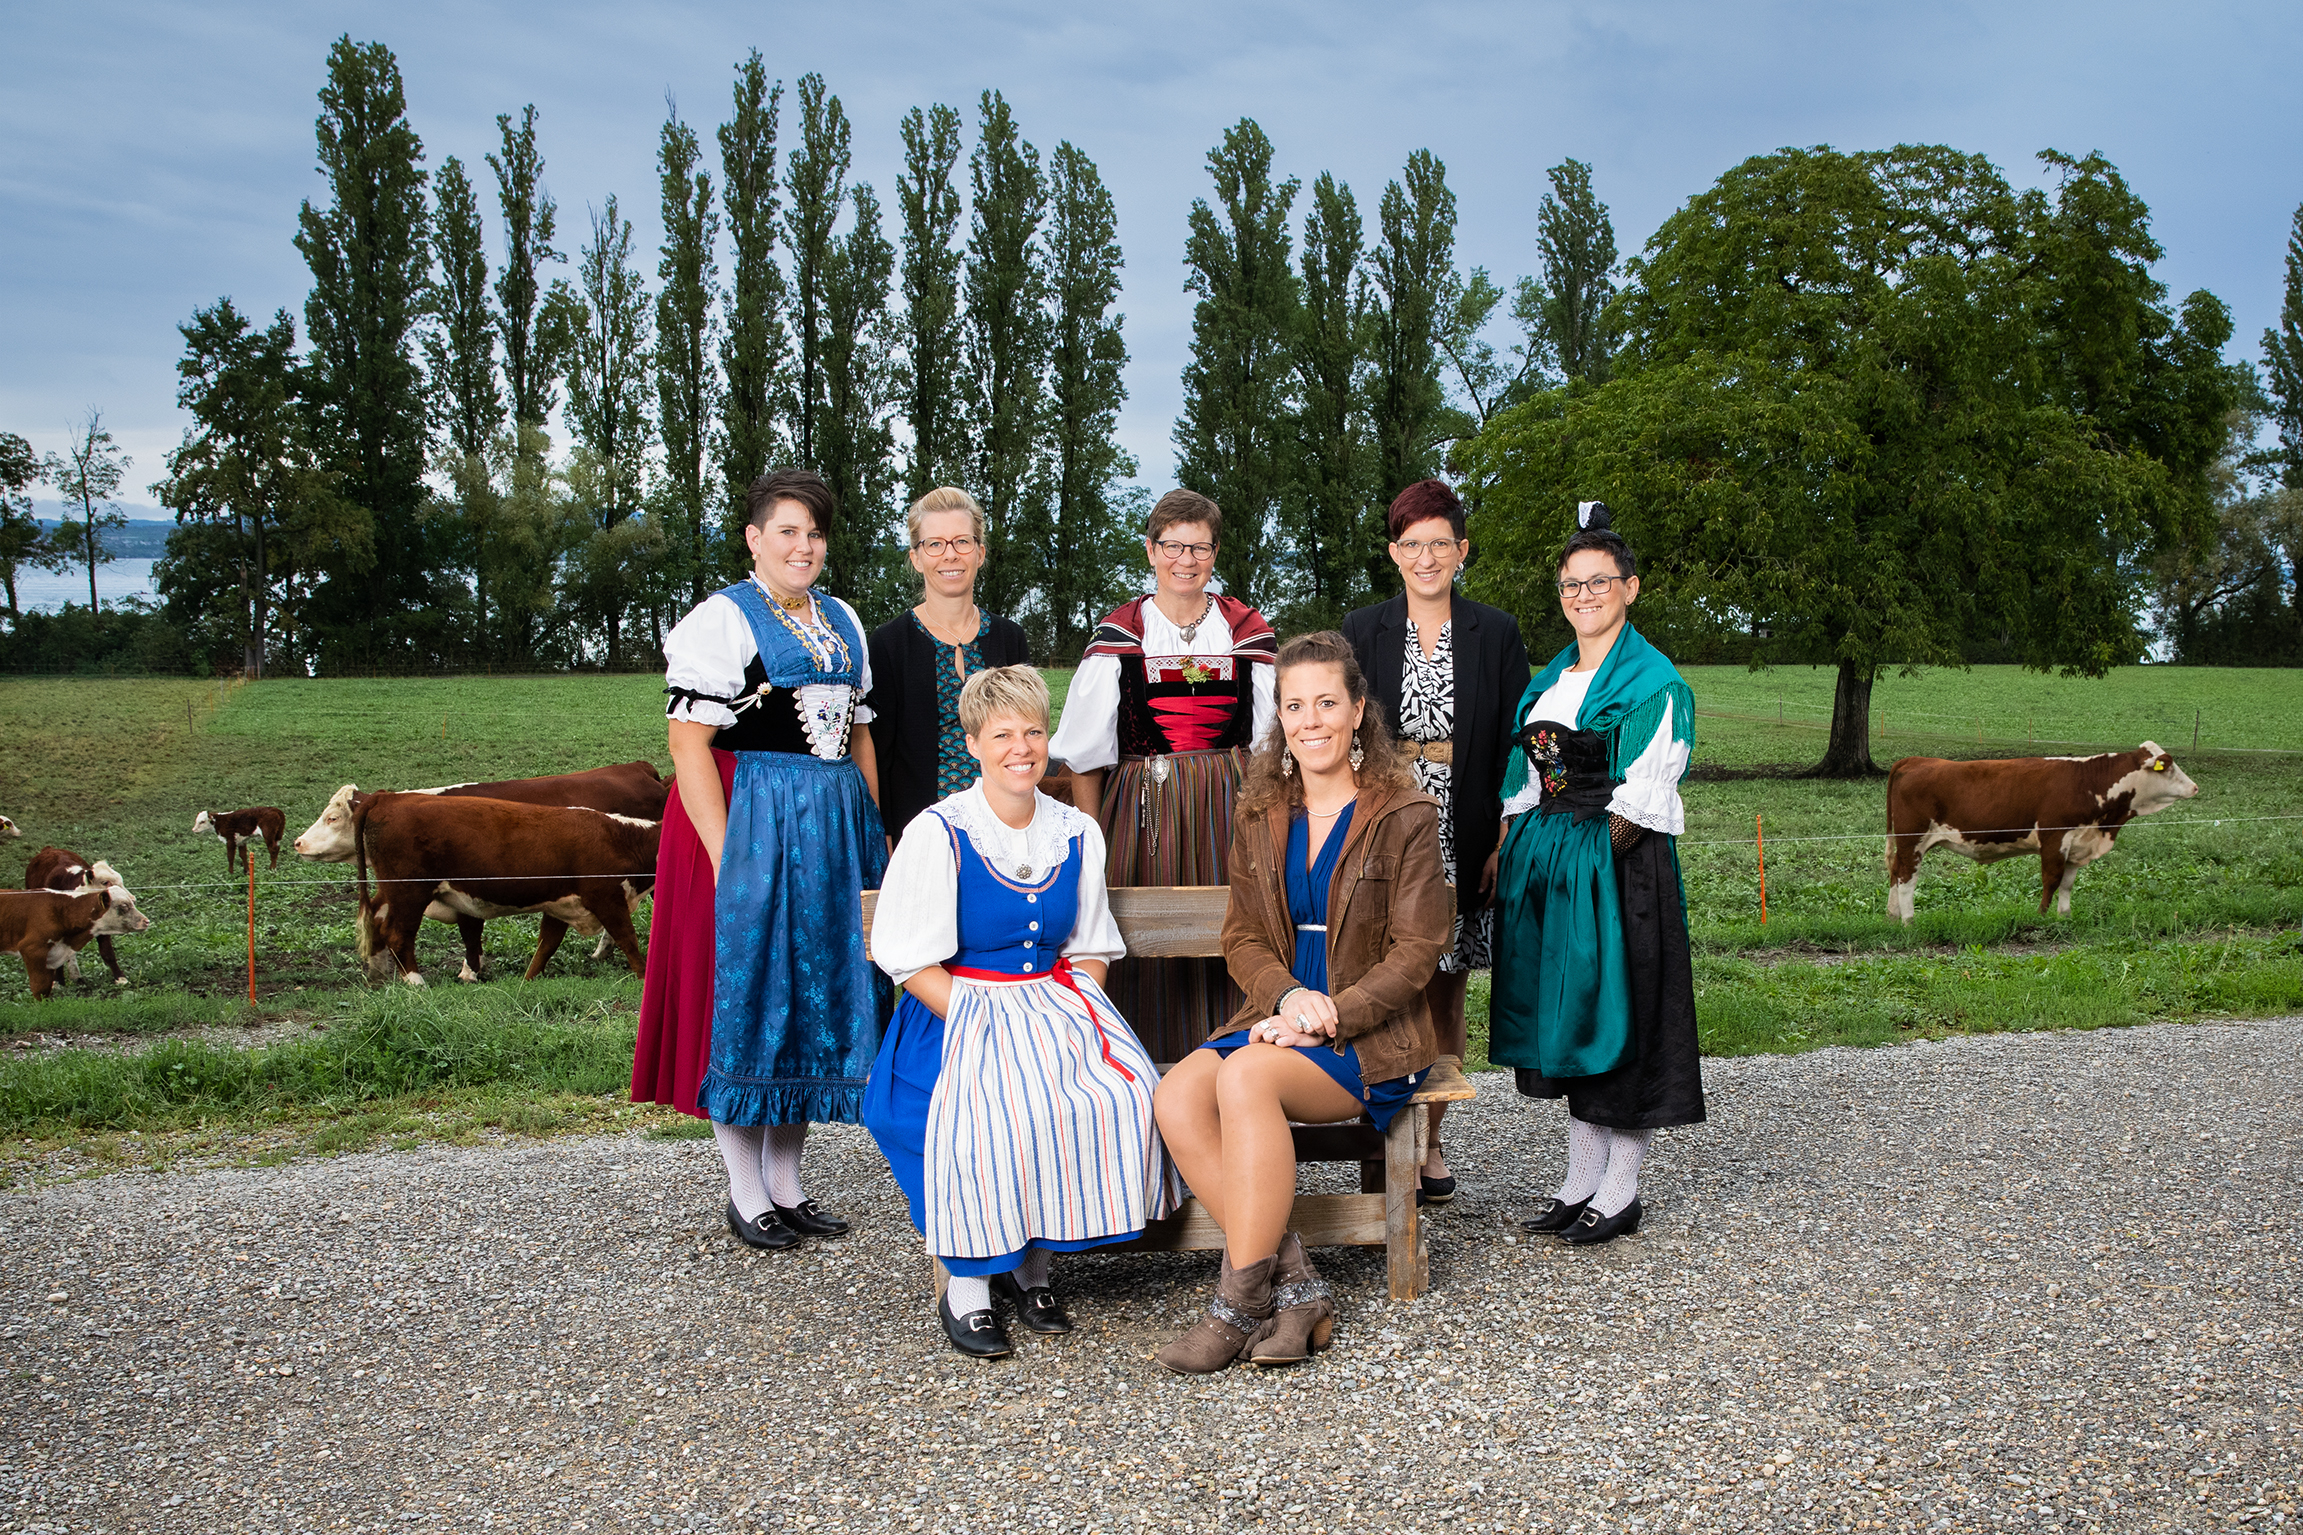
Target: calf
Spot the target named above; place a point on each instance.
(632, 789)
(2067, 810)
(62, 870)
(48, 929)
(236, 827)
(8, 829)
(469, 860)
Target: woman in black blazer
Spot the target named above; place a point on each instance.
(920, 660)
(1449, 673)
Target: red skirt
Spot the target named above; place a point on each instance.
(675, 1045)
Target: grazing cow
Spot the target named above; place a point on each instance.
(48, 929)
(234, 828)
(66, 872)
(632, 789)
(467, 860)
(8, 828)
(2068, 810)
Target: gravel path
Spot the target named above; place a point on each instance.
(1994, 1283)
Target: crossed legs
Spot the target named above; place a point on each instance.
(1225, 1120)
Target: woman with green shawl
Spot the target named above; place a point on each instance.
(1594, 996)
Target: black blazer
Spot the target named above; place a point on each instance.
(1491, 673)
(903, 705)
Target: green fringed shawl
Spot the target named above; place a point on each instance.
(1626, 703)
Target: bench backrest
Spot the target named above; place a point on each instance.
(1158, 921)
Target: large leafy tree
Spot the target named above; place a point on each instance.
(1839, 417)
(21, 538)
(1087, 355)
(1334, 466)
(686, 390)
(369, 257)
(1235, 439)
(934, 395)
(88, 474)
(854, 442)
(1007, 348)
(754, 347)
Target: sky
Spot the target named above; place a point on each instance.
(153, 157)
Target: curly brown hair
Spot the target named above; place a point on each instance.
(1381, 766)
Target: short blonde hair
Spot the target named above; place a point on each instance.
(944, 498)
(1003, 690)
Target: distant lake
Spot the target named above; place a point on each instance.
(38, 591)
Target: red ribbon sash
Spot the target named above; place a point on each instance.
(1062, 976)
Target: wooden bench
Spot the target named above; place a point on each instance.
(1186, 922)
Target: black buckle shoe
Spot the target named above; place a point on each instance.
(1554, 1215)
(1037, 1308)
(768, 1232)
(809, 1219)
(977, 1335)
(1595, 1227)
(1434, 1191)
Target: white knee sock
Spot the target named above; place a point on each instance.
(966, 1295)
(1625, 1151)
(780, 1162)
(740, 1149)
(1586, 1161)
(1033, 1271)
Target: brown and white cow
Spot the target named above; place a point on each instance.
(48, 929)
(239, 829)
(2068, 810)
(8, 829)
(469, 860)
(66, 872)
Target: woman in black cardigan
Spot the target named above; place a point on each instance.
(920, 660)
(1449, 673)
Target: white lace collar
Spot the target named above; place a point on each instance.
(1028, 854)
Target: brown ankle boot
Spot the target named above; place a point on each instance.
(1235, 1319)
(1304, 1312)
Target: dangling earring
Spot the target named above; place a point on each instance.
(1357, 756)
(1286, 763)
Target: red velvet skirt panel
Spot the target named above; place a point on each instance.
(675, 1044)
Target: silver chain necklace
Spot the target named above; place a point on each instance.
(1190, 631)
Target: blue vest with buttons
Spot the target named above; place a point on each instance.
(1009, 927)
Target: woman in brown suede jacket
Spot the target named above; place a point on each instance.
(1339, 914)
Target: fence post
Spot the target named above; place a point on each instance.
(251, 927)
(2195, 730)
(1759, 825)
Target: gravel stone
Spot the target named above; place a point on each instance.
(2006, 1282)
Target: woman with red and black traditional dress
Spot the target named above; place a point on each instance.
(1173, 690)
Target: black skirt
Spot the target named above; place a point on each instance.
(1660, 1082)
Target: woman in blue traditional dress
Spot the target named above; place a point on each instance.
(1594, 994)
(767, 848)
(1011, 1099)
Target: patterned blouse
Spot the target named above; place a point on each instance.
(955, 769)
(1427, 713)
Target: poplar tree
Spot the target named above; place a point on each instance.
(460, 348)
(1007, 338)
(1087, 356)
(933, 395)
(686, 391)
(816, 180)
(21, 538)
(368, 254)
(1234, 439)
(1331, 508)
(603, 318)
(854, 441)
(753, 347)
(88, 472)
(2283, 365)
(1410, 267)
(529, 215)
(1576, 245)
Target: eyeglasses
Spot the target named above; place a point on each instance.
(1600, 585)
(936, 548)
(1440, 548)
(1169, 549)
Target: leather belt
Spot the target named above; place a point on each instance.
(1441, 753)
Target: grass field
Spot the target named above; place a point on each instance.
(2193, 915)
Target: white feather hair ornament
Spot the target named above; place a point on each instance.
(1592, 514)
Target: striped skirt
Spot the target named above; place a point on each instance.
(1039, 1131)
(1167, 821)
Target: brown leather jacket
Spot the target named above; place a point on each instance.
(1390, 916)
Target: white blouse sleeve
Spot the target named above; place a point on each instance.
(1649, 793)
(706, 652)
(1088, 735)
(1531, 793)
(1259, 682)
(1095, 935)
(917, 923)
(864, 714)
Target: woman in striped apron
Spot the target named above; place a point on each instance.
(1012, 1101)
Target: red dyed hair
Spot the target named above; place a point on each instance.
(1423, 499)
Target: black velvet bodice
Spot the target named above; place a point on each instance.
(1571, 765)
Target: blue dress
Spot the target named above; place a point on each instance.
(1307, 889)
(1024, 1118)
(796, 1005)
